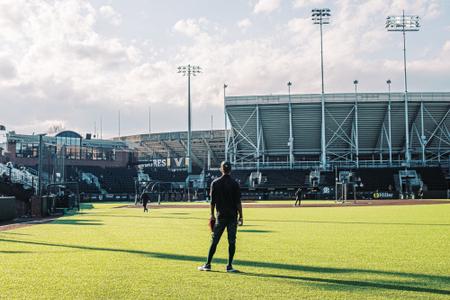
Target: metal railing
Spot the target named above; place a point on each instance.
(23, 177)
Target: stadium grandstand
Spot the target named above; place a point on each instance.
(275, 142)
(368, 141)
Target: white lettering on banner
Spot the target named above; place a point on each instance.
(178, 162)
(164, 162)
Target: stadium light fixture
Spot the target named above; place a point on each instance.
(321, 16)
(404, 23)
(189, 71)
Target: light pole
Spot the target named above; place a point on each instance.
(226, 126)
(389, 121)
(321, 16)
(355, 82)
(291, 138)
(189, 71)
(404, 23)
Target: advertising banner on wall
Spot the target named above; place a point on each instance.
(169, 163)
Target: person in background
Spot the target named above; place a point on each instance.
(145, 198)
(299, 194)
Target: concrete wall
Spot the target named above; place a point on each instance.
(7, 208)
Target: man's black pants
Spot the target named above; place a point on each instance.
(230, 224)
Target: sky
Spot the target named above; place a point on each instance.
(74, 64)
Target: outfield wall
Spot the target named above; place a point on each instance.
(7, 208)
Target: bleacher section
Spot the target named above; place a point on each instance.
(241, 176)
(327, 178)
(377, 179)
(433, 178)
(166, 175)
(283, 178)
(112, 180)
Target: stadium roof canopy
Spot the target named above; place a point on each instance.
(361, 129)
(207, 146)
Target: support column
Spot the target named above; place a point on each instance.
(291, 137)
(422, 135)
(258, 143)
(356, 131)
(390, 130)
(226, 125)
(209, 159)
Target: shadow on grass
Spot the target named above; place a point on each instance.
(424, 279)
(14, 233)
(255, 230)
(76, 222)
(13, 252)
(351, 222)
(352, 283)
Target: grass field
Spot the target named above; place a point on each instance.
(315, 253)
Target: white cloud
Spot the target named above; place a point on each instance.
(195, 28)
(266, 6)
(109, 13)
(244, 24)
(304, 3)
(55, 66)
(189, 27)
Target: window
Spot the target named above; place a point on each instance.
(27, 150)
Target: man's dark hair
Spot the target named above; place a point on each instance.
(226, 167)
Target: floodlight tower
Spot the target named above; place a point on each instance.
(321, 16)
(404, 23)
(189, 71)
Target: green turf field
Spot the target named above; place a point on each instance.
(315, 253)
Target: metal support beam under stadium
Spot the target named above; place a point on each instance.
(213, 155)
(226, 121)
(258, 138)
(390, 125)
(438, 126)
(291, 137)
(240, 131)
(193, 156)
(339, 134)
(422, 135)
(356, 142)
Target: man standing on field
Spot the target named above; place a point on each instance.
(226, 199)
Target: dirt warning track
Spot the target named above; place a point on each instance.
(307, 204)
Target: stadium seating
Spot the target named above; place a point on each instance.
(166, 175)
(374, 179)
(112, 180)
(433, 178)
(284, 178)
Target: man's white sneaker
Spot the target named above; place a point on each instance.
(204, 268)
